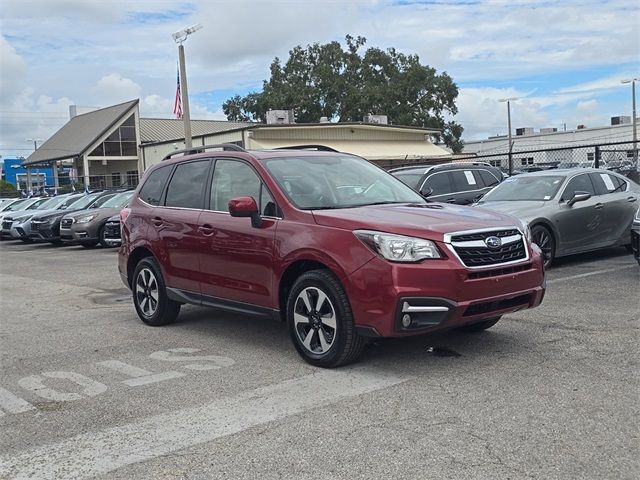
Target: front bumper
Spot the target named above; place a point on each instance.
(439, 294)
(112, 234)
(44, 231)
(77, 233)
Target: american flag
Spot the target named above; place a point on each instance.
(177, 105)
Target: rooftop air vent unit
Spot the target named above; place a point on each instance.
(620, 120)
(524, 131)
(548, 130)
(376, 119)
(275, 117)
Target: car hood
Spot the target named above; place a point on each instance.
(54, 214)
(431, 220)
(100, 213)
(519, 208)
(23, 215)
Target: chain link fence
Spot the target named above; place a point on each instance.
(619, 157)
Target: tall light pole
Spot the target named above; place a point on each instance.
(179, 38)
(509, 100)
(633, 81)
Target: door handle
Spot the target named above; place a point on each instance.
(157, 221)
(631, 199)
(598, 206)
(206, 229)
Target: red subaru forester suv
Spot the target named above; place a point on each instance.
(326, 241)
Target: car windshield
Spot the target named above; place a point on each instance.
(118, 201)
(327, 182)
(536, 187)
(52, 203)
(12, 207)
(412, 179)
(81, 203)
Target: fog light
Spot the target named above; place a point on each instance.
(406, 320)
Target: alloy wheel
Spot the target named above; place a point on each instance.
(147, 292)
(543, 239)
(314, 318)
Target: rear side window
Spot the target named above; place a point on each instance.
(606, 183)
(581, 183)
(186, 188)
(151, 191)
(488, 178)
(463, 181)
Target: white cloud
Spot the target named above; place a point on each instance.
(114, 88)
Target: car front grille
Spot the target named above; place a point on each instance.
(66, 223)
(112, 230)
(35, 225)
(6, 224)
(473, 251)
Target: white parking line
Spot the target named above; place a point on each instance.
(588, 274)
(99, 452)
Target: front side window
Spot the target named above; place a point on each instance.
(581, 183)
(438, 183)
(232, 179)
(337, 181)
(151, 191)
(186, 188)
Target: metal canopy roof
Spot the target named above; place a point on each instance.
(80, 133)
(153, 130)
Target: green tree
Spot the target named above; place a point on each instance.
(6, 187)
(331, 81)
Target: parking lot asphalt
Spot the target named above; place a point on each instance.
(87, 390)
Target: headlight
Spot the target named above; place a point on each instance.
(86, 219)
(526, 230)
(398, 248)
(638, 215)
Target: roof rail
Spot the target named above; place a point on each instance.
(321, 148)
(204, 148)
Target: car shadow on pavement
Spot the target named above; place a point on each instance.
(605, 254)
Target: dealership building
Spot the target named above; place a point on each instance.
(112, 146)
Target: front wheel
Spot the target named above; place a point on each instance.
(321, 322)
(480, 326)
(542, 237)
(150, 295)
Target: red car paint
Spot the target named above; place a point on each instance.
(225, 257)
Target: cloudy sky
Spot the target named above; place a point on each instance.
(565, 58)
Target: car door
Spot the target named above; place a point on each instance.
(176, 225)
(580, 225)
(619, 205)
(236, 259)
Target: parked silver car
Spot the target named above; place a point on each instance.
(569, 211)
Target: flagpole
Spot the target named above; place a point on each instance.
(185, 98)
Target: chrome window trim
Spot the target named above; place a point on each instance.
(449, 245)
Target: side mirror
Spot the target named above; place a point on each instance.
(579, 197)
(427, 192)
(245, 207)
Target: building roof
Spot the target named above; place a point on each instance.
(79, 134)
(153, 130)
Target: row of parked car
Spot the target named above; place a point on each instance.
(87, 219)
(569, 211)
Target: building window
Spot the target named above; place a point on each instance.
(132, 178)
(591, 156)
(115, 179)
(121, 143)
(526, 161)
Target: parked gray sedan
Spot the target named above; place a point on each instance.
(569, 211)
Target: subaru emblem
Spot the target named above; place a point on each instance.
(493, 242)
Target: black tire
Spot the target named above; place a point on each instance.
(101, 239)
(628, 248)
(57, 242)
(166, 310)
(480, 326)
(544, 239)
(26, 239)
(344, 343)
(90, 244)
